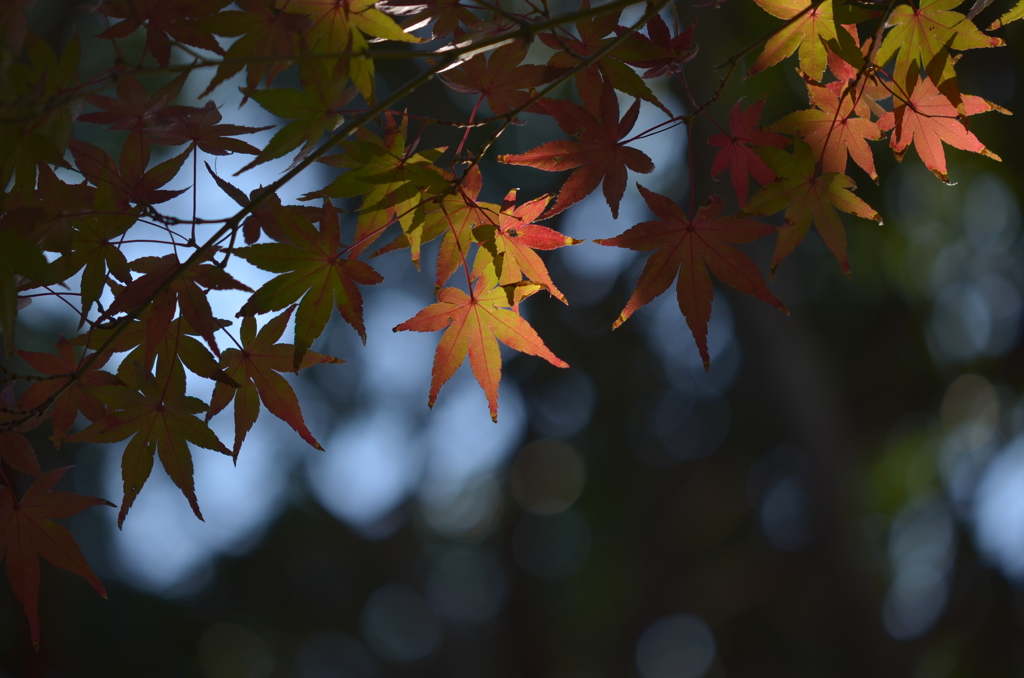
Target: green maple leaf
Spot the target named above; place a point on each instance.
(454, 216)
(36, 126)
(160, 420)
(921, 37)
(94, 247)
(392, 179)
(342, 25)
(809, 28)
(313, 268)
(313, 110)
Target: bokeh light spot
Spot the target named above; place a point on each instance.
(547, 477)
(399, 626)
(676, 646)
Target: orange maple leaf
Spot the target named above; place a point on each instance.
(833, 130)
(927, 118)
(473, 324)
(808, 197)
(509, 245)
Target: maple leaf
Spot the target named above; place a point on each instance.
(184, 291)
(312, 267)
(15, 449)
(571, 53)
(164, 20)
(833, 131)
(808, 197)
(37, 116)
(737, 149)
(598, 155)
(808, 33)
(342, 25)
(130, 179)
(135, 110)
(474, 323)
(255, 368)
(676, 50)
(22, 265)
(78, 395)
(509, 245)
(267, 37)
(393, 179)
(338, 25)
(200, 126)
(688, 249)
(921, 37)
(1014, 14)
(268, 215)
(94, 248)
(313, 110)
(27, 531)
(149, 338)
(501, 78)
(454, 216)
(64, 205)
(160, 420)
(446, 15)
(927, 118)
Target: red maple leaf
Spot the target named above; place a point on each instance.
(927, 118)
(446, 14)
(27, 531)
(164, 20)
(269, 216)
(77, 397)
(473, 324)
(135, 110)
(738, 149)
(185, 291)
(688, 249)
(200, 126)
(501, 78)
(131, 181)
(676, 50)
(610, 68)
(598, 155)
(255, 368)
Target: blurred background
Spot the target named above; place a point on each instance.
(841, 495)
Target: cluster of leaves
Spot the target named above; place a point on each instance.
(69, 208)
